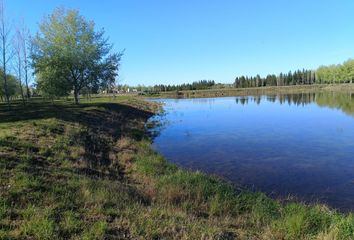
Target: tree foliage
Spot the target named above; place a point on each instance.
(69, 55)
(13, 86)
(336, 73)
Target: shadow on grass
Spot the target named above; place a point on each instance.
(103, 123)
(112, 118)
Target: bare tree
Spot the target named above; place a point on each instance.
(26, 43)
(5, 45)
(20, 54)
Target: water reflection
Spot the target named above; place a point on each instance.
(342, 101)
(297, 144)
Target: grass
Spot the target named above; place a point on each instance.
(88, 172)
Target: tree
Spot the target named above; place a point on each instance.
(25, 45)
(348, 70)
(12, 86)
(18, 46)
(69, 55)
(5, 45)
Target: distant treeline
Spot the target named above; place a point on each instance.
(283, 79)
(340, 73)
(198, 85)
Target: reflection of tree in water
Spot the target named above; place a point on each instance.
(339, 100)
(299, 99)
(342, 101)
(244, 100)
(202, 100)
(296, 99)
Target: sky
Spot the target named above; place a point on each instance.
(179, 41)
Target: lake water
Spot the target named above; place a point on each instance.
(299, 145)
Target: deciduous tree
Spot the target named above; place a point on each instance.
(69, 55)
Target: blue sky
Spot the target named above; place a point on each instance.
(176, 41)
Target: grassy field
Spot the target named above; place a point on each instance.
(88, 172)
(255, 91)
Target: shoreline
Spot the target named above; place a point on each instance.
(229, 92)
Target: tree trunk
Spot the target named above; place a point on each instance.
(76, 96)
(20, 83)
(4, 41)
(22, 95)
(5, 76)
(26, 80)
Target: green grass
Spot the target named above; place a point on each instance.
(198, 194)
(88, 172)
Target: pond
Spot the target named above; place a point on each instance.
(297, 145)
